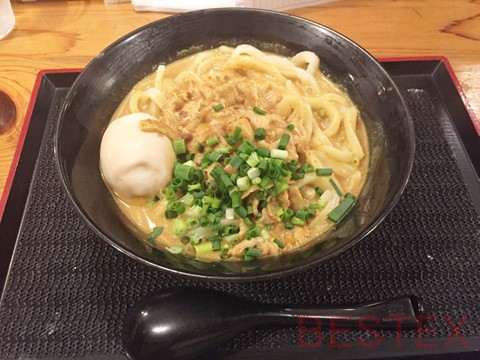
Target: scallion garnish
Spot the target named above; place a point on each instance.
(179, 146)
(260, 134)
(218, 107)
(279, 154)
(179, 226)
(156, 232)
(259, 111)
(282, 144)
(343, 208)
(152, 201)
(212, 141)
(251, 251)
(243, 181)
(324, 172)
(183, 171)
(175, 249)
(335, 187)
(279, 243)
(263, 151)
(203, 247)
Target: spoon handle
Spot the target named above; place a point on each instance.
(389, 314)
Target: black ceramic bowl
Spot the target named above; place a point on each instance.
(102, 85)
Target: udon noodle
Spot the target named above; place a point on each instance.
(278, 153)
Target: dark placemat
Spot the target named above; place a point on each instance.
(68, 291)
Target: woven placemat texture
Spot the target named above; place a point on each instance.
(68, 291)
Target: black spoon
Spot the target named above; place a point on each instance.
(184, 323)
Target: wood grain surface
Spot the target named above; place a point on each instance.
(68, 34)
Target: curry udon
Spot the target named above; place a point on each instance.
(234, 153)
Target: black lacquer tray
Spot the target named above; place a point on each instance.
(65, 292)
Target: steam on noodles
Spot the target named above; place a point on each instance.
(268, 154)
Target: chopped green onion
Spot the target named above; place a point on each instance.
(156, 232)
(179, 207)
(179, 226)
(218, 107)
(343, 208)
(259, 111)
(302, 214)
(280, 188)
(265, 181)
(217, 172)
(179, 146)
(263, 164)
(324, 172)
(298, 221)
(170, 193)
(232, 140)
(253, 232)
(335, 186)
(253, 173)
(235, 196)
(183, 171)
(192, 187)
(243, 169)
(260, 134)
(200, 148)
(223, 150)
(263, 151)
(226, 181)
(203, 247)
(279, 154)
(170, 214)
(256, 181)
(243, 183)
(313, 205)
(274, 172)
(152, 201)
(216, 203)
(235, 161)
(288, 225)
(241, 211)
(248, 223)
(298, 175)
(216, 246)
(224, 253)
(229, 213)
(215, 156)
(212, 219)
(247, 147)
(287, 214)
(230, 239)
(318, 190)
(178, 183)
(175, 249)
(265, 234)
(251, 251)
(279, 243)
(290, 127)
(207, 199)
(253, 159)
(282, 145)
(212, 141)
(321, 112)
(192, 223)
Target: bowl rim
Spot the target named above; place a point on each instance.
(275, 274)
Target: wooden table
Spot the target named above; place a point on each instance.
(68, 34)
